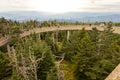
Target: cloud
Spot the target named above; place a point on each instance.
(8, 5)
(103, 6)
(61, 5)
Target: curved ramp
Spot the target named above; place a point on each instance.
(5, 40)
(115, 74)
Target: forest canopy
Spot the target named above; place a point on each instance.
(81, 55)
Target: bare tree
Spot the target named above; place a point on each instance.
(25, 67)
(60, 74)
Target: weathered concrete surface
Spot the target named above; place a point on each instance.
(115, 74)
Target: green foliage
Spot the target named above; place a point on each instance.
(15, 30)
(14, 39)
(46, 64)
(95, 54)
(51, 75)
(71, 46)
(85, 54)
(53, 46)
(38, 49)
(5, 68)
(55, 41)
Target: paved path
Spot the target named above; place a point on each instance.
(5, 40)
(115, 74)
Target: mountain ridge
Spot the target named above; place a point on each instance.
(70, 16)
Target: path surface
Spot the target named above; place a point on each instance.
(5, 40)
(115, 74)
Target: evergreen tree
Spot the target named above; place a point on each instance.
(30, 52)
(84, 59)
(5, 68)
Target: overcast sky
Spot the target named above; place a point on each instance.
(60, 6)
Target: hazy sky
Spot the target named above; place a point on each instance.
(60, 6)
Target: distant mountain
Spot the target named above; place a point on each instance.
(72, 16)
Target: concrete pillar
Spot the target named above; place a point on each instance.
(53, 37)
(68, 35)
(39, 36)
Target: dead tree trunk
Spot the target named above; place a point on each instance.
(26, 67)
(60, 73)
